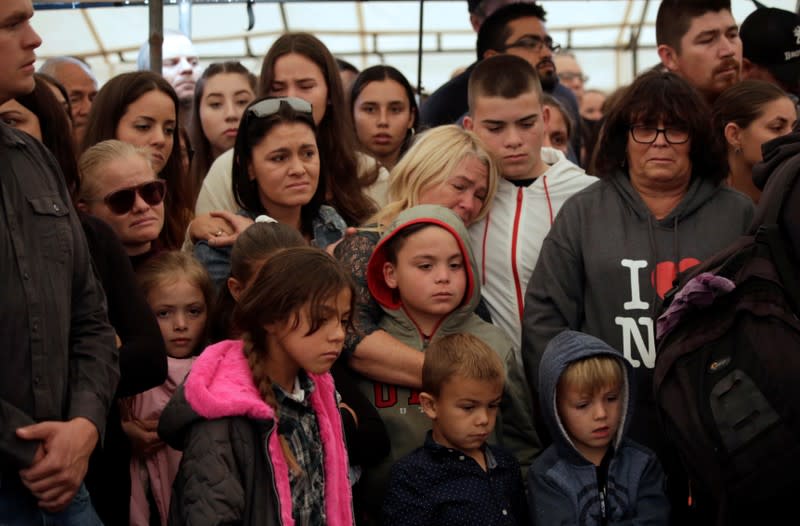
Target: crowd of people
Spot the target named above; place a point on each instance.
(309, 297)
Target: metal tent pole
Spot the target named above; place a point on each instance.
(156, 21)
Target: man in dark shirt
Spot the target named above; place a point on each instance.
(515, 29)
(59, 360)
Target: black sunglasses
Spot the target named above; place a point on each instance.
(121, 202)
(268, 107)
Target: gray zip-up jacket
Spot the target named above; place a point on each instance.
(564, 487)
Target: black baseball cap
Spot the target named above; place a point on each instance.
(472, 5)
(771, 39)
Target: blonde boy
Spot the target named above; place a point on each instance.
(591, 474)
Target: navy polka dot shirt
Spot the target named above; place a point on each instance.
(439, 486)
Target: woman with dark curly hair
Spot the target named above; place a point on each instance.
(614, 249)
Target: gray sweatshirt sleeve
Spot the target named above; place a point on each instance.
(554, 297)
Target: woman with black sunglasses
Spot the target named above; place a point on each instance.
(119, 186)
(277, 172)
(141, 108)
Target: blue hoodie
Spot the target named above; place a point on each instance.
(563, 487)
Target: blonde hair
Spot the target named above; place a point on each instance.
(100, 154)
(592, 374)
(461, 354)
(430, 162)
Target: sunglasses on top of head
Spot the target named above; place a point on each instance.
(268, 107)
(121, 202)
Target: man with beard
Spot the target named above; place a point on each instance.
(515, 29)
(699, 40)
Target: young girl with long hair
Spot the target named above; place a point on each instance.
(257, 418)
(220, 97)
(384, 112)
(179, 292)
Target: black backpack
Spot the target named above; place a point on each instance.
(727, 383)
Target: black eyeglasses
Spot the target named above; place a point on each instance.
(648, 134)
(121, 202)
(534, 43)
(268, 107)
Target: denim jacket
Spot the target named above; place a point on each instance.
(327, 227)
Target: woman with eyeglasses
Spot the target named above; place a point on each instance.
(141, 108)
(744, 117)
(142, 355)
(615, 248)
(299, 65)
(277, 172)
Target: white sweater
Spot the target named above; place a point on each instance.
(507, 242)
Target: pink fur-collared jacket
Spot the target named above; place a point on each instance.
(233, 468)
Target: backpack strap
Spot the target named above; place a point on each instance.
(770, 235)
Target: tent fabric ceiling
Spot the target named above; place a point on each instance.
(600, 32)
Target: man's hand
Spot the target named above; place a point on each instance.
(60, 462)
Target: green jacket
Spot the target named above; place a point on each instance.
(399, 406)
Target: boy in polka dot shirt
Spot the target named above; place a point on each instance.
(456, 478)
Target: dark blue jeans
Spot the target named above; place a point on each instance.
(18, 508)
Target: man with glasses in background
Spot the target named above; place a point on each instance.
(515, 29)
(570, 73)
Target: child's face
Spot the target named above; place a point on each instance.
(180, 309)
(429, 275)
(591, 420)
(316, 352)
(464, 413)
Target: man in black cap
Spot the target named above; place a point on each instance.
(771, 48)
(479, 10)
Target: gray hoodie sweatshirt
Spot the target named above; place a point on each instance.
(606, 265)
(399, 406)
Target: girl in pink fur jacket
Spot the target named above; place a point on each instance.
(179, 291)
(257, 419)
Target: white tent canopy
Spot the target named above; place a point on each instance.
(601, 33)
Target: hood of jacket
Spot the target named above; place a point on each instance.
(699, 192)
(220, 384)
(389, 299)
(565, 348)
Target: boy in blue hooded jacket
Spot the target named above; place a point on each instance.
(591, 474)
